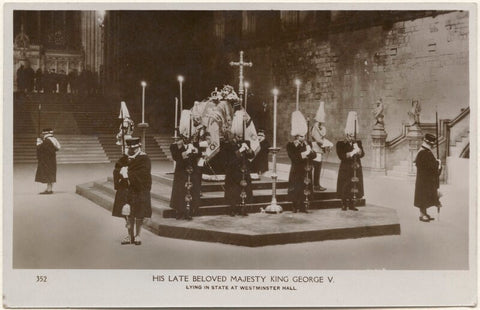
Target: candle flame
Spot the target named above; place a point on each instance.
(246, 84)
(144, 83)
(180, 78)
(297, 82)
(275, 91)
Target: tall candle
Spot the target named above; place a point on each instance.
(180, 81)
(176, 115)
(246, 94)
(297, 82)
(143, 101)
(275, 93)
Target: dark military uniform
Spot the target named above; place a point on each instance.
(177, 200)
(121, 186)
(346, 171)
(237, 168)
(296, 177)
(140, 179)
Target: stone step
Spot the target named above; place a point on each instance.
(263, 183)
(24, 161)
(262, 229)
(105, 200)
(83, 161)
(161, 199)
(163, 193)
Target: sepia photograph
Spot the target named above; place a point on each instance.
(239, 155)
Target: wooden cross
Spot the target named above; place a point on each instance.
(241, 64)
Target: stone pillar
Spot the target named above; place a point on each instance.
(379, 135)
(415, 138)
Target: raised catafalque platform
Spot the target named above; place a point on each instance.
(325, 221)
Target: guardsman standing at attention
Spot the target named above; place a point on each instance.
(238, 183)
(350, 176)
(300, 154)
(139, 177)
(320, 145)
(185, 198)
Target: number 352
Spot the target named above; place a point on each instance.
(41, 278)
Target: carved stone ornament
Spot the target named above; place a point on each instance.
(22, 41)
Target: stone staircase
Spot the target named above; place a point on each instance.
(80, 149)
(459, 144)
(84, 125)
(24, 148)
(114, 151)
(75, 149)
(164, 142)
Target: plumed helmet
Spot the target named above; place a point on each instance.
(184, 126)
(320, 116)
(352, 120)
(299, 124)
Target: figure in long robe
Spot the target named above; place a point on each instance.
(47, 147)
(121, 206)
(350, 151)
(237, 168)
(186, 154)
(140, 184)
(299, 152)
(427, 182)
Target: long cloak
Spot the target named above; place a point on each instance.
(427, 182)
(121, 186)
(296, 177)
(177, 200)
(235, 162)
(345, 171)
(47, 162)
(140, 179)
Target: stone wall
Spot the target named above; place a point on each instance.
(424, 59)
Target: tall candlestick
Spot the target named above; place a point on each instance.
(297, 82)
(274, 207)
(180, 81)
(246, 94)
(144, 84)
(275, 94)
(176, 117)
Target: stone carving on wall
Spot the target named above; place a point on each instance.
(378, 113)
(57, 38)
(414, 113)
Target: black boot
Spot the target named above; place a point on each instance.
(243, 211)
(351, 206)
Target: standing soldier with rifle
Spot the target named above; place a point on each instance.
(300, 153)
(350, 176)
(427, 182)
